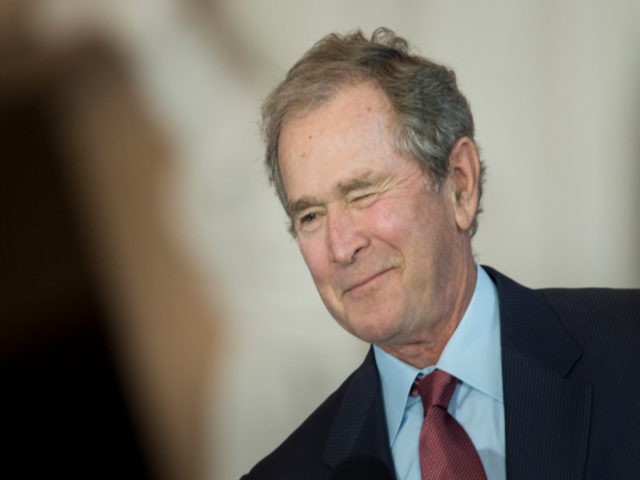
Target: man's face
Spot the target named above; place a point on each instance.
(381, 244)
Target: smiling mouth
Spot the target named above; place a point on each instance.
(366, 281)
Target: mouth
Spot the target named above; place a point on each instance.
(366, 281)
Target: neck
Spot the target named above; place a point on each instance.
(433, 337)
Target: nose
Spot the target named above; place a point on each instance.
(345, 238)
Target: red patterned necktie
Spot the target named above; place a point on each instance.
(446, 451)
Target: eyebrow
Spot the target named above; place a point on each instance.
(364, 180)
(298, 206)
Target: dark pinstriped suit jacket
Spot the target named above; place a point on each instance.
(571, 377)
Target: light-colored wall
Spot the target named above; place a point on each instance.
(553, 86)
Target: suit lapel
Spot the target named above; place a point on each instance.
(547, 415)
(359, 428)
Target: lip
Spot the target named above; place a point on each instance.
(365, 281)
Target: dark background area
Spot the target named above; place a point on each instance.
(63, 409)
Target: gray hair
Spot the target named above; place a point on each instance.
(431, 112)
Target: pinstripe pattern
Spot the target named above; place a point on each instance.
(571, 378)
(350, 423)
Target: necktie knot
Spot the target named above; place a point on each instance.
(446, 451)
(436, 389)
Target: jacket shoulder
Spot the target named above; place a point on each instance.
(606, 324)
(300, 454)
(597, 311)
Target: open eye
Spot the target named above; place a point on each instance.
(307, 221)
(308, 218)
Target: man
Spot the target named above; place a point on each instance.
(372, 153)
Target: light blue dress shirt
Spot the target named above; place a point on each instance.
(472, 355)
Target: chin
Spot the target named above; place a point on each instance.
(376, 332)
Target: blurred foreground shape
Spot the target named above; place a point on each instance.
(105, 341)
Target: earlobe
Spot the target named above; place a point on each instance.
(465, 173)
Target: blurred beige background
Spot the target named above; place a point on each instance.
(226, 345)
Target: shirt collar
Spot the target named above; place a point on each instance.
(472, 354)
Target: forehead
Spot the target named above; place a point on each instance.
(350, 106)
(351, 132)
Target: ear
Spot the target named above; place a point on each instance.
(465, 174)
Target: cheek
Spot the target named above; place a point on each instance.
(316, 259)
(416, 228)
(391, 220)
